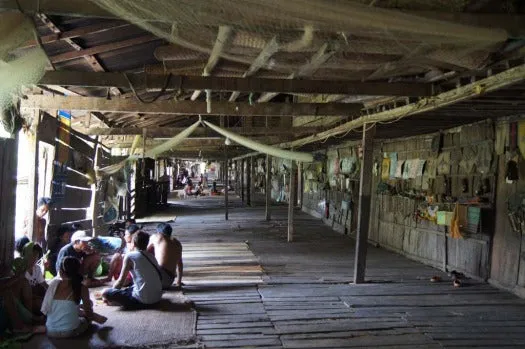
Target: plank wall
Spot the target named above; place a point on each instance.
(392, 218)
(508, 257)
(8, 169)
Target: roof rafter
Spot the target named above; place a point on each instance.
(122, 105)
(201, 131)
(67, 56)
(491, 83)
(307, 70)
(250, 84)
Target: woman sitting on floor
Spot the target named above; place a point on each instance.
(65, 317)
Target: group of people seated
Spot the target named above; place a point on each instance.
(141, 266)
(190, 190)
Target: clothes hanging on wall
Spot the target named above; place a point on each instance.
(399, 169)
(385, 169)
(502, 138)
(393, 165)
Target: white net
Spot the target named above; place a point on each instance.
(302, 27)
(23, 70)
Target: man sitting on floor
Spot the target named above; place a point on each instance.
(168, 252)
(89, 258)
(147, 287)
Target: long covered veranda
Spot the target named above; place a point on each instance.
(338, 173)
(251, 288)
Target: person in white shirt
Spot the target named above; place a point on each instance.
(145, 271)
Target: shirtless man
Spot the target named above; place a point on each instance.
(168, 252)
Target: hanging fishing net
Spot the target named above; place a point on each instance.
(17, 69)
(263, 148)
(293, 30)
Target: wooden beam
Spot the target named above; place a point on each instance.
(291, 203)
(268, 186)
(92, 61)
(250, 84)
(223, 38)
(264, 56)
(158, 132)
(67, 56)
(165, 107)
(307, 70)
(365, 200)
(64, 91)
(77, 32)
(472, 90)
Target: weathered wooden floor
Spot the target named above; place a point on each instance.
(307, 300)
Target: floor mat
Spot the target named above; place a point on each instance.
(172, 322)
(211, 263)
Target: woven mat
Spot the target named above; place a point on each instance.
(172, 323)
(220, 263)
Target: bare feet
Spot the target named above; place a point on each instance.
(99, 319)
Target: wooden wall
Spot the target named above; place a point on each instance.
(75, 205)
(508, 257)
(394, 225)
(8, 172)
(392, 218)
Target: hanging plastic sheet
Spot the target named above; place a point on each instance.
(263, 148)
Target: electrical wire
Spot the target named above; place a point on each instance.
(161, 92)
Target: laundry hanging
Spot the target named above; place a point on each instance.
(263, 148)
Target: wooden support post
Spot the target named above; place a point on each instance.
(32, 196)
(300, 184)
(8, 169)
(237, 178)
(241, 172)
(226, 182)
(291, 203)
(268, 190)
(94, 193)
(144, 135)
(249, 181)
(445, 255)
(363, 215)
(253, 167)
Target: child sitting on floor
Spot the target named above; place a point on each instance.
(65, 316)
(32, 253)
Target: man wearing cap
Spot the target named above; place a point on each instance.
(80, 249)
